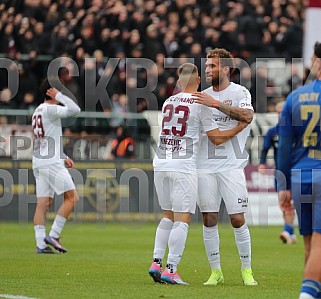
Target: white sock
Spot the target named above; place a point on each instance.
(243, 243)
(176, 243)
(212, 246)
(57, 226)
(305, 296)
(161, 238)
(40, 234)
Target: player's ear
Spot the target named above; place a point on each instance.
(199, 80)
(226, 69)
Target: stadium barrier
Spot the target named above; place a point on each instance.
(119, 191)
(115, 190)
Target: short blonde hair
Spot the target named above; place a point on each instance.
(188, 74)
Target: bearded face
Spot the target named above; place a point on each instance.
(217, 79)
(213, 72)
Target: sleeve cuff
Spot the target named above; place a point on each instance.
(59, 96)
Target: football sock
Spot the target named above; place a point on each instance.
(57, 226)
(212, 246)
(243, 243)
(289, 228)
(310, 289)
(158, 261)
(40, 234)
(161, 238)
(176, 243)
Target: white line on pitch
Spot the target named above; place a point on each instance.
(15, 296)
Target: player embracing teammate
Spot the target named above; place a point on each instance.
(175, 164)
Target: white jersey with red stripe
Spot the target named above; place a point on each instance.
(46, 123)
(183, 120)
(231, 154)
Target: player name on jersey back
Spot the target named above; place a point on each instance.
(182, 123)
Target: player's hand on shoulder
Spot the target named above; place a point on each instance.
(52, 92)
(69, 163)
(205, 99)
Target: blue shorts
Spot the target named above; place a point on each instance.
(306, 193)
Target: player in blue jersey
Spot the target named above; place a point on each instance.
(271, 141)
(299, 175)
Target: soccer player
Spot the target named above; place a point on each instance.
(175, 173)
(299, 175)
(221, 169)
(271, 141)
(49, 166)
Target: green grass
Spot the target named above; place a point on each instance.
(111, 261)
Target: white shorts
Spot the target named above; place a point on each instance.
(229, 185)
(176, 191)
(52, 179)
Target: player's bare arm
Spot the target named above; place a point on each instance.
(285, 200)
(218, 137)
(240, 114)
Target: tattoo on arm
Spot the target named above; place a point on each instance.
(240, 114)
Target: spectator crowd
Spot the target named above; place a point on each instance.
(33, 32)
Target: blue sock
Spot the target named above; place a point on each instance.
(289, 228)
(311, 287)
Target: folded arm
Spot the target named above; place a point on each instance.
(218, 137)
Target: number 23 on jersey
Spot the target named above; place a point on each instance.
(181, 121)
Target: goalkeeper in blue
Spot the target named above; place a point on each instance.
(299, 170)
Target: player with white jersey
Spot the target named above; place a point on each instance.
(231, 155)
(175, 172)
(221, 169)
(49, 166)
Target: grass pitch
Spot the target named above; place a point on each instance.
(111, 261)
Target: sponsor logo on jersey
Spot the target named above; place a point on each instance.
(227, 102)
(222, 119)
(245, 105)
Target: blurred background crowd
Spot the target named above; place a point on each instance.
(33, 32)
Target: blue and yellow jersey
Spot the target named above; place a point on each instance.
(300, 133)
